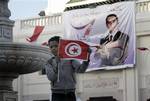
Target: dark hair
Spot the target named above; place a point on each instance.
(110, 16)
(54, 38)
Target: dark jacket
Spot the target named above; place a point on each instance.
(117, 55)
(61, 73)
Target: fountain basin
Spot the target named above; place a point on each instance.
(22, 58)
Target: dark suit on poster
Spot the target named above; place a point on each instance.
(117, 55)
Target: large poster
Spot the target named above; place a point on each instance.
(110, 31)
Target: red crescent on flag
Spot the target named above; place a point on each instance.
(73, 49)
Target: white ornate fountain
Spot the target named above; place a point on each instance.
(15, 59)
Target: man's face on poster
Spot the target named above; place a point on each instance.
(111, 23)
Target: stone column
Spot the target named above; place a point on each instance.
(6, 24)
(6, 90)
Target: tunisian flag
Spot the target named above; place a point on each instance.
(73, 49)
(36, 33)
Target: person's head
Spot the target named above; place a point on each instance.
(53, 44)
(111, 21)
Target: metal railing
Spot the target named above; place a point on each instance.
(56, 19)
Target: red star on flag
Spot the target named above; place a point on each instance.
(75, 50)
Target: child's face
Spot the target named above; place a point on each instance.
(53, 45)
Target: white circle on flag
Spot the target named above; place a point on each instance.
(73, 49)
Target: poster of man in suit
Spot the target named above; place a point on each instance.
(110, 31)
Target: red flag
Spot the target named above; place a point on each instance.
(73, 49)
(37, 32)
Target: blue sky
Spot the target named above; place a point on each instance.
(21, 9)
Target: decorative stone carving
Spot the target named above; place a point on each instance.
(22, 58)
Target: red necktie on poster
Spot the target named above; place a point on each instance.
(36, 33)
(73, 49)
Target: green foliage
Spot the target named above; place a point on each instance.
(72, 1)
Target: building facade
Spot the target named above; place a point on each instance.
(131, 84)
